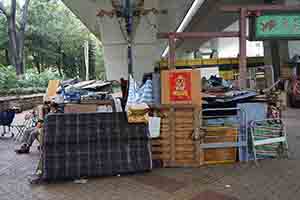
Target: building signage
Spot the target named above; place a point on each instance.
(277, 26)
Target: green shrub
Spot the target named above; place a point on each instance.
(31, 83)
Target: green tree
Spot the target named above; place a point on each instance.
(16, 23)
(57, 37)
(54, 39)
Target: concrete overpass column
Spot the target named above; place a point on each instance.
(293, 46)
(276, 52)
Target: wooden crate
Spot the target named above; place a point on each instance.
(220, 135)
(176, 146)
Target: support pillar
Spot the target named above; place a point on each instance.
(172, 51)
(243, 49)
(276, 54)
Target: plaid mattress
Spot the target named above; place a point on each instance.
(93, 144)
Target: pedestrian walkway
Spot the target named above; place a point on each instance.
(272, 180)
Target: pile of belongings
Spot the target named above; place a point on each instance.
(215, 83)
(78, 91)
(138, 113)
(231, 96)
(138, 100)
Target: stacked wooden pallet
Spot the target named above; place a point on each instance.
(176, 146)
(220, 135)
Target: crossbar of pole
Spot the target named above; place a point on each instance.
(263, 7)
(187, 35)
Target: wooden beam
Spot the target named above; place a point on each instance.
(243, 49)
(262, 7)
(172, 51)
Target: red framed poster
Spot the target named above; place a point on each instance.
(180, 86)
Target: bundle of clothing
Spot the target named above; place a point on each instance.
(138, 100)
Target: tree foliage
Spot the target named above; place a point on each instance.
(54, 38)
(32, 82)
(16, 17)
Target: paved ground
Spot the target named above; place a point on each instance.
(272, 180)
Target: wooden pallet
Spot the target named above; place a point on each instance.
(176, 146)
(220, 155)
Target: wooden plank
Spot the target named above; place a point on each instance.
(220, 155)
(161, 156)
(165, 135)
(181, 163)
(187, 135)
(185, 157)
(184, 125)
(219, 162)
(165, 129)
(184, 121)
(188, 122)
(186, 163)
(197, 125)
(161, 149)
(173, 134)
(184, 129)
(165, 121)
(184, 115)
(185, 148)
(160, 142)
(184, 142)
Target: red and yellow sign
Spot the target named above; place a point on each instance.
(180, 86)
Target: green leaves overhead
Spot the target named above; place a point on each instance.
(54, 39)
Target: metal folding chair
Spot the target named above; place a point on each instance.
(269, 139)
(29, 122)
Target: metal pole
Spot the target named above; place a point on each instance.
(172, 53)
(243, 49)
(129, 22)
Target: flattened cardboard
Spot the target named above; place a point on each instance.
(80, 108)
(195, 87)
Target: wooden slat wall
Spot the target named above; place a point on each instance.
(176, 146)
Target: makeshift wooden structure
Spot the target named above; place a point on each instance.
(220, 154)
(177, 145)
(224, 136)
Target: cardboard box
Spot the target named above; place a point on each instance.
(181, 87)
(53, 85)
(80, 108)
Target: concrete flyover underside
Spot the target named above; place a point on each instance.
(147, 49)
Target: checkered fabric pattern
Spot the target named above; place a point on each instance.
(92, 145)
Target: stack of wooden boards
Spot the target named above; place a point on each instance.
(219, 135)
(176, 146)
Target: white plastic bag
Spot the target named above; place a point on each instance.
(154, 127)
